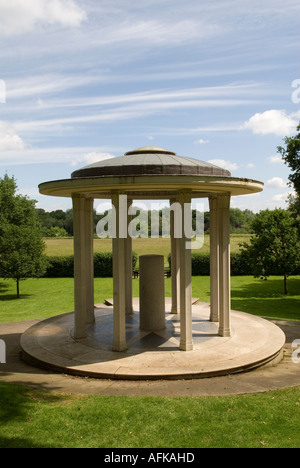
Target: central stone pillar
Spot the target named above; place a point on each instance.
(119, 272)
(152, 293)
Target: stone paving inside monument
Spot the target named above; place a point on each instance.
(254, 342)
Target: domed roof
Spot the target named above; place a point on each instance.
(150, 160)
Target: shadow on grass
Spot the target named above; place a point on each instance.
(266, 299)
(3, 287)
(13, 297)
(18, 405)
(6, 292)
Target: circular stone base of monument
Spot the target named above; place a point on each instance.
(153, 355)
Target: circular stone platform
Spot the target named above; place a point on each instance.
(153, 356)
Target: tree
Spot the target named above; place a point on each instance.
(275, 247)
(55, 231)
(240, 220)
(291, 156)
(21, 243)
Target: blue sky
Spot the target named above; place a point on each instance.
(83, 80)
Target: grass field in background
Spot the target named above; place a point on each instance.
(60, 247)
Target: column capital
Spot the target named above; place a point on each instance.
(115, 196)
(213, 202)
(224, 200)
(184, 196)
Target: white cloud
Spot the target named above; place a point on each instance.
(230, 166)
(20, 16)
(202, 141)
(275, 159)
(275, 122)
(281, 197)
(276, 182)
(92, 158)
(9, 140)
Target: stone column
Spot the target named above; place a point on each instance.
(80, 263)
(128, 275)
(186, 334)
(175, 258)
(214, 260)
(119, 273)
(224, 258)
(89, 257)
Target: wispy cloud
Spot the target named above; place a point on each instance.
(242, 91)
(132, 112)
(40, 86)
(119, 107)
(84, 76)
(58, 155)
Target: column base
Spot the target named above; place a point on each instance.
(120, 348)
(225, 332)
(186, 346)
(214, 318)
(79, 335)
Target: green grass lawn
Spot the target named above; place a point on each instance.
(35, 418)
(43, 298)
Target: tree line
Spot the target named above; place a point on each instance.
(59, 223)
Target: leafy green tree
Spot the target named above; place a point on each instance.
(291, 156)
(240, 220)
(55, 231)
(275, 247)
(21, 243)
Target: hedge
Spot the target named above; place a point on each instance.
(63, 267)
(239, 265)
(60, 267)
(201, 265)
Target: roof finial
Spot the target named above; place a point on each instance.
(150, 149)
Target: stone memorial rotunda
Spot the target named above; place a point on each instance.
(152, 337)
